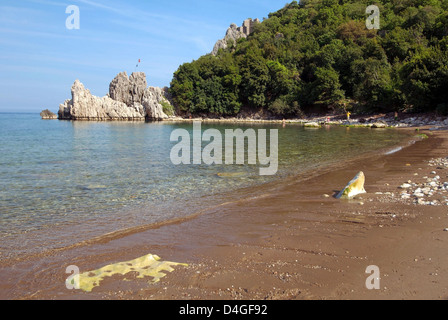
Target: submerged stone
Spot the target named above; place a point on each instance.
(312, 125)
(379, 125)
(354, 187)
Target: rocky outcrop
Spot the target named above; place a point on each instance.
(87, 107)
(119, 88)
(354, 187)
(128, 90)
(234, 33)
(152, 99)
(48, 115)
(129, 99)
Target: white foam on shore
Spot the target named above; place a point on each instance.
(395, 150)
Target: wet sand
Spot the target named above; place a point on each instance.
(284, 241)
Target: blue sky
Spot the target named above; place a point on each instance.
(40, 58)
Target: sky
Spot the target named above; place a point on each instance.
(40, 58)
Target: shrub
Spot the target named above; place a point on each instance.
(168, 109)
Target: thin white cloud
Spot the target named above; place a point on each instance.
(50, 3)
(137, 14)
(91, 37)
(100, 5)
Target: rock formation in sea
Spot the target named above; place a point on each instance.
(48, 115)
(129, 99)
(234, 33)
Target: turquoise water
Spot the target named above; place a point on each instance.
(63, 179)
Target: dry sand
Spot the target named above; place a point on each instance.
(284, 241)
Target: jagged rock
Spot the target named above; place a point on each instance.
(128, 90)
(138, 86)
(234, 33)
(128, 99)
(48, 115)
(354, 187)
(119, 88)
(85, 106)
(152, 99)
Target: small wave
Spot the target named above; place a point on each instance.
(395, 150)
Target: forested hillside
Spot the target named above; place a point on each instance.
(318, 55)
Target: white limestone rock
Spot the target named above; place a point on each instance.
(129, 99)
(234, 33)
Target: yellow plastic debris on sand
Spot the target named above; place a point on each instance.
(147, 266)
(354, 187)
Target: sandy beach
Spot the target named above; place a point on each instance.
(289, 240)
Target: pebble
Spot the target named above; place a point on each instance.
(421, 202)
(423, 192)
(419, 195)
(426, 190)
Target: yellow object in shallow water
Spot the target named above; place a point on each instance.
(147, 266)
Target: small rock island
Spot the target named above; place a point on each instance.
(48, 115)
(129, 99)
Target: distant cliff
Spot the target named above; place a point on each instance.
(234, 33)
(129, 99)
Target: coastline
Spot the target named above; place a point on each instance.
(323, 252)
(378, 120)
(288, 243)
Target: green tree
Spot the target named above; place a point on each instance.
(316, 53)
(372, 82)
(254, 79)
(326, 88)
(426, 79)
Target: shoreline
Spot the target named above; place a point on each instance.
(223, 200)
(374, 120)
(379, 121)
(322, 254)
(283, 245)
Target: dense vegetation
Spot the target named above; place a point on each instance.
(318, 55)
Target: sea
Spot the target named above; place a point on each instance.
(63, 182)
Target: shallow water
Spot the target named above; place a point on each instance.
(65, 182)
